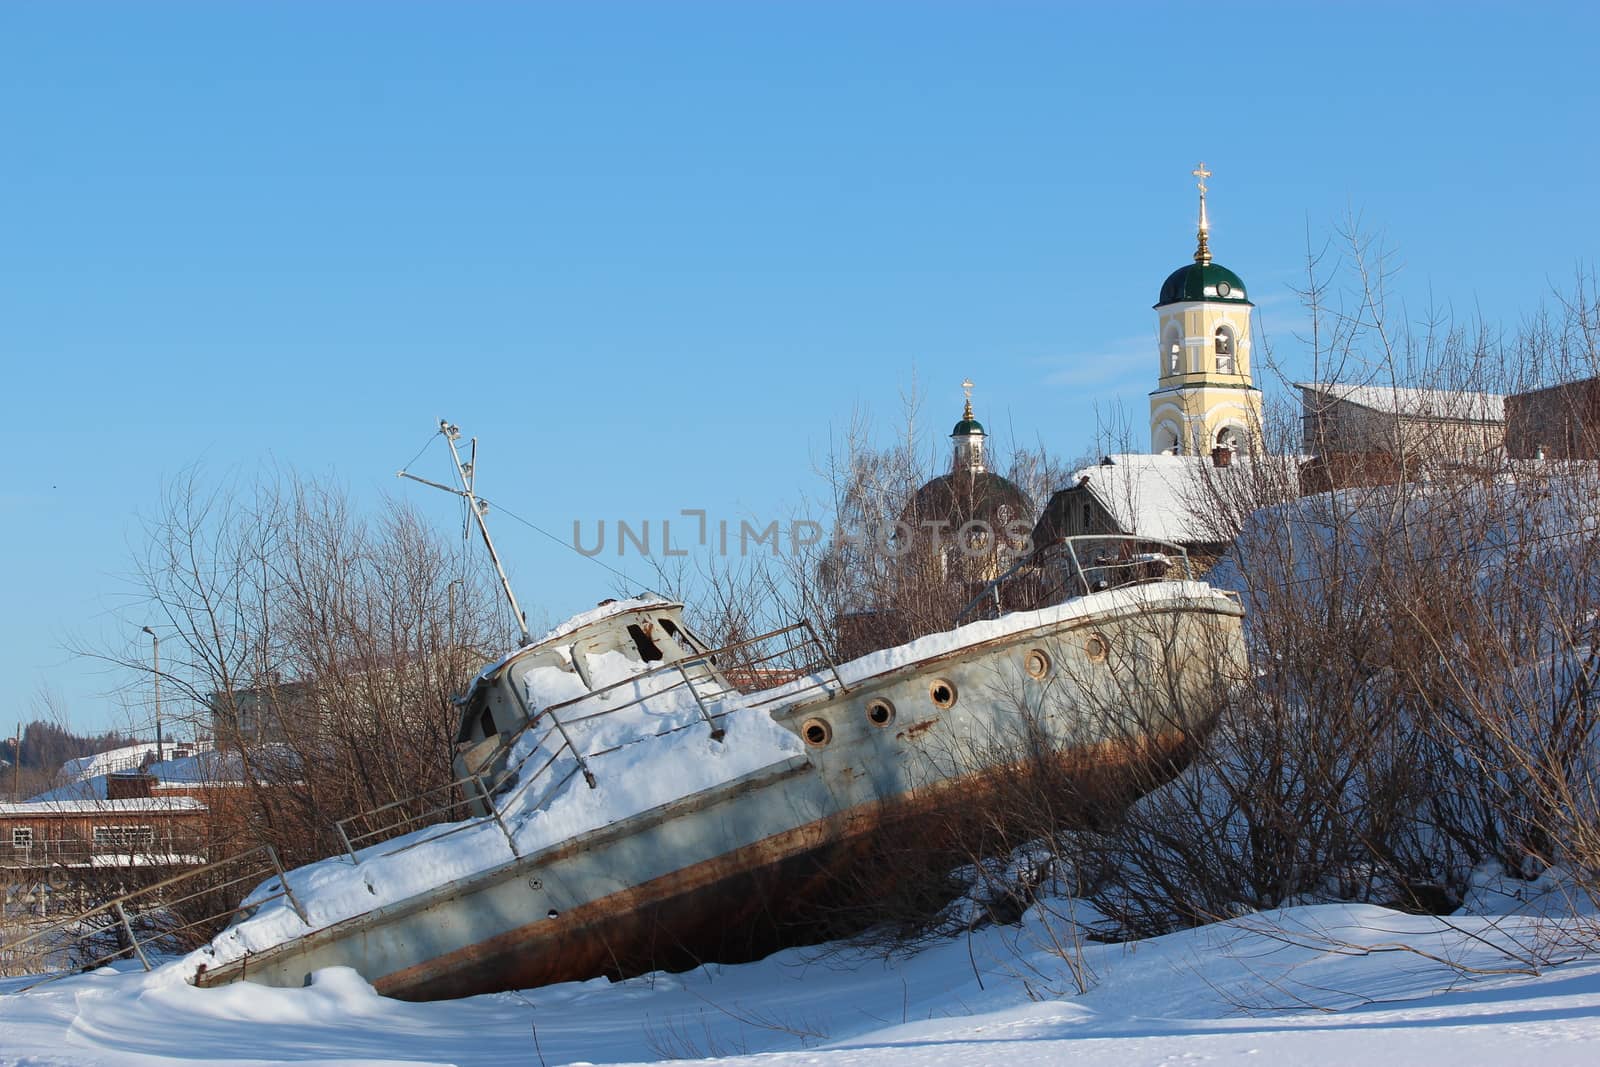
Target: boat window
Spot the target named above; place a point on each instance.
(817, 733)
(486, 723)
(683, 635)
(649, 651)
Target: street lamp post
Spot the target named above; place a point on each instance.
(155, 649)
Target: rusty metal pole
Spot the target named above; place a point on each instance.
(283, 880)
(349, 848)
(566, 739)
(478, 507)
(155, 643)
(717, 732)
(133, 941)
(494, 811)
(822, 649)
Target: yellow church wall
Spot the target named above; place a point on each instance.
(1196, 325)
(1198, 402)
(1200, 414)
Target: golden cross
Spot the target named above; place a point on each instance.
(967, 386)
(1201, 173)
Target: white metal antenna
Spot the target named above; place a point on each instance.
(468, 475)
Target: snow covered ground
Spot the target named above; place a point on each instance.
(1328, 984)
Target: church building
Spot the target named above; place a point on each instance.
(1204, 397)
(967, 525)
(1205, 413)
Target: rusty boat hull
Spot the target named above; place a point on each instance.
(1098, 706)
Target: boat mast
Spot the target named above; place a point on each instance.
(468, 476)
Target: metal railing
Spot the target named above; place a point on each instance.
(412, 817)
(1076, 566)
(785, 656)
(181, 912)
(44, 854)
(170, 916)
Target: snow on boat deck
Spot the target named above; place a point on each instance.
(629, 780)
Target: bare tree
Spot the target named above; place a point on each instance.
(320, 648)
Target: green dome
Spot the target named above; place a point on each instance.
(1203, 281)
(968, 426)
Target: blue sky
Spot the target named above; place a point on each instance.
(236, 234)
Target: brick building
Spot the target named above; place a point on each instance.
(1557, 422)
(71, 849)
(1438, 424)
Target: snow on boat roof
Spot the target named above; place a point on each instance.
(975, 635)
(632, 779)
(604, 610)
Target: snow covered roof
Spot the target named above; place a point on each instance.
(606, 609)
(1164, 496)
(1422, 403)
(126, 758)
(102, 807)
(209, 767)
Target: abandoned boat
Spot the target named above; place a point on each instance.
(641, 800)
(644, 801)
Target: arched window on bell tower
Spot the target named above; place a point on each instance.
(1223, 345)
(1171, 352)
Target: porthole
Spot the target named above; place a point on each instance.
(1096, 648)
(1037, 663)
(880, 712)
(943, 693)
(816, 733)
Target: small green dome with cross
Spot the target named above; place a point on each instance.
(968, 425)
(1203, 279)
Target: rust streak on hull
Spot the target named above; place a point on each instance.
(781, 891)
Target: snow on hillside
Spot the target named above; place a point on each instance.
(1331, 984)
(1527, 521)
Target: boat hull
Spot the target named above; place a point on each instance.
(798, 887)
(1094, 712)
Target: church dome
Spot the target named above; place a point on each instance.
(1203, 281)
(968, 425)
(970, 496)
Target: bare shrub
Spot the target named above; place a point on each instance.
(319, 645)
(1423, 649)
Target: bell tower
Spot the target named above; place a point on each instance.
(1204, 396)
(967, 439)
